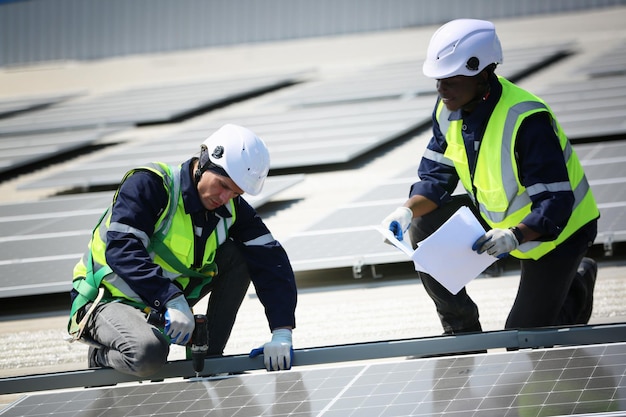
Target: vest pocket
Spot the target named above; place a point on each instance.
(493, 198)
(182, 248)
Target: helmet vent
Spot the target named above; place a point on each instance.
(472, 64)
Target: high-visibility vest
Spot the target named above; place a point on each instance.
(502, 200)
(171, 246)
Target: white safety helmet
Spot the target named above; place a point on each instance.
(462, 47)
(240, 153)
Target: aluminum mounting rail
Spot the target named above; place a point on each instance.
(414, 348)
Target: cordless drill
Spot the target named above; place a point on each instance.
(199, 343)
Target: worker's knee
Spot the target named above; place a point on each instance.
(147, 358)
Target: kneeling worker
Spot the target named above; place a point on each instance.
(171, 236)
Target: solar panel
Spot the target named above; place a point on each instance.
(149, 104)
(405, 79)
(52, 235)
(346, 237)
(604, 164)
(586, 380)
(297, 138)
(14, 105)
(606, 64)
(591, 109)
(20, 150)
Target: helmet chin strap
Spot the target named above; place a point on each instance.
(203, 163)
(197, 174)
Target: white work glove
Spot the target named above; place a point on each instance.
(179, 322)
(398, 221)
(277, 354)
(496, 242)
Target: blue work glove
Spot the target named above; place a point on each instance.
(179, 322)
(496, 242)
(398, 221)
(278, 353)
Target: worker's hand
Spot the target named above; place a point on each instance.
(398, 221)
(496, 242)
(179, 322)
(278, 353)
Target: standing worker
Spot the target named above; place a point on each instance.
(522, 179)
(171, 236)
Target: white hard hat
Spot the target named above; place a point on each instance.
(462, 47)
(241, 154)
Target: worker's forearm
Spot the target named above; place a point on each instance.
(420, 205)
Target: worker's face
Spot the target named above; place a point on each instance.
(216, 190)
(459, 91)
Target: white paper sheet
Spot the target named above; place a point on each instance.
(447, 254)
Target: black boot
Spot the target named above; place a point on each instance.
(92, 357)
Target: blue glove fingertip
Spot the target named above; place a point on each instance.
(480, 242)
(395, 228)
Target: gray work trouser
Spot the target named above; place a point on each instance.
(126, 342)
(547, 293)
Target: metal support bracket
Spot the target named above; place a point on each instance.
(357, 270)
(608, 245)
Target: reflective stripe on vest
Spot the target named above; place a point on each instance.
(502, 200)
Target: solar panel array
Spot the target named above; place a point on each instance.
(404, 79)
(18, 151)
(11, 106)
(41, 242)
(147, 104)
(346, 127)
(297, 138)
(586, 380)
(346, 237)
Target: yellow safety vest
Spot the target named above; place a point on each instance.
(171, 246)
(502, 200)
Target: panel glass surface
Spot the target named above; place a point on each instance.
(542, 382)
